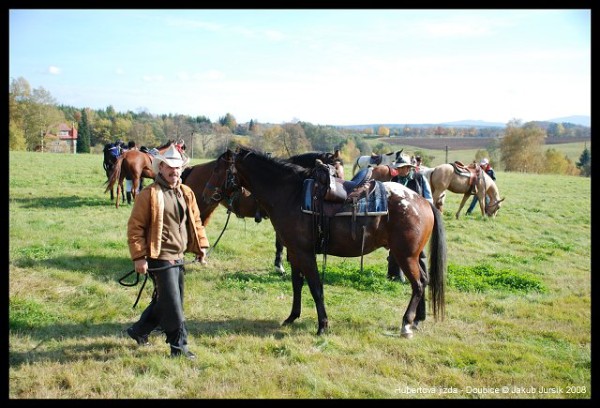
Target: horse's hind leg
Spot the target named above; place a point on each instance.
(415, 310)
(462, 204)
(421, 307)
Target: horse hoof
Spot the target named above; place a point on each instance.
(279, 269)
(407, 331)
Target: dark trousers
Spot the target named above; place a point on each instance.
(166, 307)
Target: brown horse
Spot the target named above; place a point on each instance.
(383, 172)
(133, 165)
(405, 229)
(446, 177)
(362, 162)
(242, 203)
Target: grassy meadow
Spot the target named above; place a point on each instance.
(517, 324)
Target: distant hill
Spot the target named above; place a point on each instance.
(473, 123)
(575, 119)
(580, 120)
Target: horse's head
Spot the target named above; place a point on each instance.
(222, 183)
(493, 207)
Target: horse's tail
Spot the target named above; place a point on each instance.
(437, 265)
(116, 174)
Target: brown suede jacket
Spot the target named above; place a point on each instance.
(144, 228)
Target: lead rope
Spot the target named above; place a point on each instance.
(137, 275)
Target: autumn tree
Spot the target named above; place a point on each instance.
(521, 147)
(293, 141)
(383, 131)
(556, 162)
(228, 121)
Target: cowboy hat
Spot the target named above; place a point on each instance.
(172, 158)
(401, 163)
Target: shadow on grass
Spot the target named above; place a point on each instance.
(113, 341)
(65, 202)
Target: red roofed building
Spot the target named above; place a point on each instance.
(67, 139)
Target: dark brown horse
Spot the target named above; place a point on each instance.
(405, 229)
(133, 165)
(242, 203)
(111, 153)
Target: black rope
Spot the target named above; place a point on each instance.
(221, 234)
(137, 277)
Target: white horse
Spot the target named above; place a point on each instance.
(378, 159)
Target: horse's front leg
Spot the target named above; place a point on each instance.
(462, 204)
(316, 290)
(482, 202)
(297, 283)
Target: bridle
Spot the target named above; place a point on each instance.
(230, 190)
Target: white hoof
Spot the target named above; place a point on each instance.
(407, 331)
(279, 269)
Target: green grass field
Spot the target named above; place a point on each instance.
(518, 304)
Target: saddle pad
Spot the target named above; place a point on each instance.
(372, 205)
(375, 203)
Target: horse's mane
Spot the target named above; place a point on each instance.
(167, 144)
(308, 159)
(284, 167)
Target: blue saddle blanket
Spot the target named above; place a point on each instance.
(374, 204)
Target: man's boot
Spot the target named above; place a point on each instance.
(128, 198)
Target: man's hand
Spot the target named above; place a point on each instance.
(201, 258)
(141, 266)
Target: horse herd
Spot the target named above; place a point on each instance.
(295, 194)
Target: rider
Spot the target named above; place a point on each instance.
(131, 145)
(484, 164)
(408, 176)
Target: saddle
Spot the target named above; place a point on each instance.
(328, 196)
(473, 171)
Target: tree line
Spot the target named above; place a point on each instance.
(34, 117)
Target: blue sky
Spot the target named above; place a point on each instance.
(329, 67)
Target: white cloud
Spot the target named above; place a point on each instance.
(54, 70)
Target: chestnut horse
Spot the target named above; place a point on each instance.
(446, 177)
(243, 204)
(133, 165)
(407, 226)
(383, 172)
